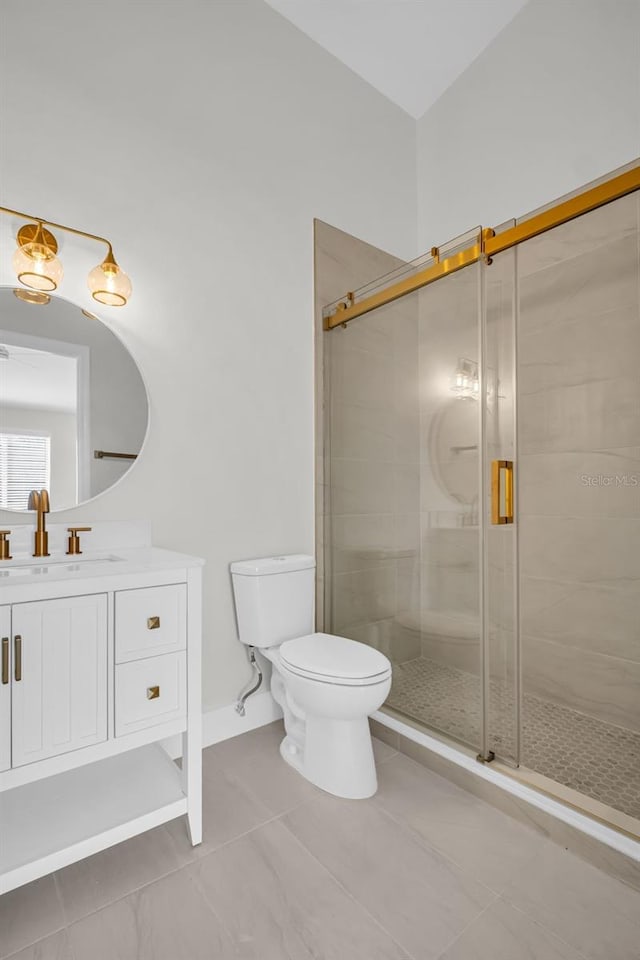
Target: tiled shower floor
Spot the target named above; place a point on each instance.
(598, 759)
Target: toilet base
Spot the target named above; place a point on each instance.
(337, 757)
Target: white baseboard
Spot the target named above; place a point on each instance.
(223, 723)
(574, 818)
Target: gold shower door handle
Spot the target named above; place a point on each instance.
(498, 467)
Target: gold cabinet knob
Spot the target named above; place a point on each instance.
(5, 546)
(153, 623)
(74, 540)
(153, 693)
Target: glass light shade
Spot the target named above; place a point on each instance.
(109, 284)
(38, 269)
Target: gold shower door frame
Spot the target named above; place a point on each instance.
(488, 242)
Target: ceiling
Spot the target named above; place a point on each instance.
(409, 50)
(34, 379)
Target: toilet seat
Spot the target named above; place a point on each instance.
(330, 659)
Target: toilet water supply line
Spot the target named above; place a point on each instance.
(245, 696)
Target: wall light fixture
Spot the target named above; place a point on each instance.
(37, 265)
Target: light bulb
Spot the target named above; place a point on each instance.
(35, 261)
(108, 283)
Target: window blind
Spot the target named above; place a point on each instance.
(24, 466)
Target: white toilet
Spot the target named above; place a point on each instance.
(327, 686)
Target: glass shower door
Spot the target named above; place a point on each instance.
(450, 693)
(402, 475)
(501, 690)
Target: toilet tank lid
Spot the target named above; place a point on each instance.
(266, 566)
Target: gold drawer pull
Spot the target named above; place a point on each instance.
(153, 623)
(5, 659)
(153, 693)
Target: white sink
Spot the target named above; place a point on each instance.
(35, 568)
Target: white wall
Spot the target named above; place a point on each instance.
(551, 104)
(202, 138)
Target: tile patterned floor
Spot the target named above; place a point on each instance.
(598, 759)
(423, 871)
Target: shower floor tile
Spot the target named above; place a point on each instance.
(598, 759)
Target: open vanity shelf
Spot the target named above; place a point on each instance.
(103, 665)
(63, 818)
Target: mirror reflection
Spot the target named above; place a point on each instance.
(454, 449)
(73, 405)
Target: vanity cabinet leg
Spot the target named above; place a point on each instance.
(192, 738)
(192, 783)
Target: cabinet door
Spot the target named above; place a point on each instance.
(5, 688)
(60, 655)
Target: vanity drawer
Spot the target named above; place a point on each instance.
(149, 692)
(150, 621)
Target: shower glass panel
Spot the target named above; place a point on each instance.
(402, 462)
(579, 503)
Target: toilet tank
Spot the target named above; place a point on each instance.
(274, 598)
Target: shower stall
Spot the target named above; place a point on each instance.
(481, 477)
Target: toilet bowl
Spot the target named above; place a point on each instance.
(336, 752)
(326, 685)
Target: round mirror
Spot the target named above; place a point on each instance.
(73, 406)
(453, 446)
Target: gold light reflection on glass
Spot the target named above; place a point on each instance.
(466, 381)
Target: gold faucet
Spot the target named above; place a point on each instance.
(40, 502)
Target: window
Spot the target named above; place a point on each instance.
(24, 466)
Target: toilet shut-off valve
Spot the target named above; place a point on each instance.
(256, 686)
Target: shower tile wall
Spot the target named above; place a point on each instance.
(579, 465)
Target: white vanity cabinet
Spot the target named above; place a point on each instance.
(100, 666)
(59, 688)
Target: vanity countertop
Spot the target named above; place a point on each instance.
(24, 574)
